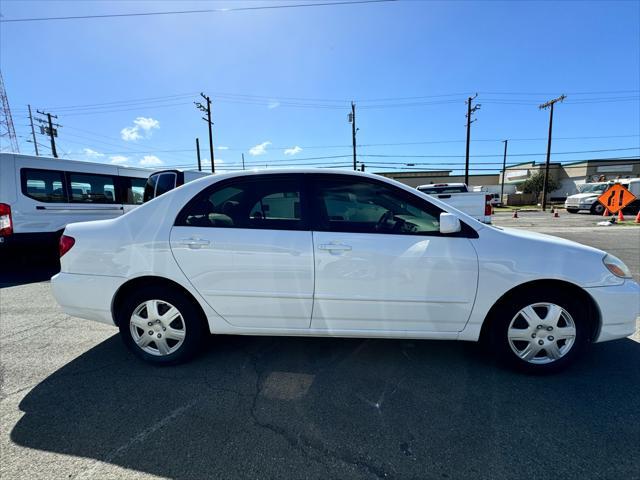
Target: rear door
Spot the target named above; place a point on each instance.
(245, 246)
(382, 264)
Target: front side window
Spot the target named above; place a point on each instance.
(265, 203)
(150, 188)
(345, 205)
(43, 185)
(91, 188)
(166, 182)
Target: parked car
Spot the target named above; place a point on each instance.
(587, 199)
(341, 254)
(39, 196)
(474, 204)
(165, 180)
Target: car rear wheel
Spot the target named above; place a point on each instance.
(161, 325)
(540, 331)
(572, 210)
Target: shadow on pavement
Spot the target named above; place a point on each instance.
(21, 269)
(258, 407)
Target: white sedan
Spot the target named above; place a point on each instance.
(337, 254)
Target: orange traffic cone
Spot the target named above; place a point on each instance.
(606, 213)
(620, 216)
(555, 214)
(515, 214)
(637, 220)
(553, 210)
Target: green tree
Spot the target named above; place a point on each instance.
(535, 182)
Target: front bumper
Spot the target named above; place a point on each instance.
(86, 296)
(619, 310)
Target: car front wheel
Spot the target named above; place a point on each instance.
(161, 325)
(597, 209)
(540, 332)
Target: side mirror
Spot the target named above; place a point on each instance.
(449, 223)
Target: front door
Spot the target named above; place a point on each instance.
(382, 264)
(245, 247)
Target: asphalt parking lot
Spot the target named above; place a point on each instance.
(75, 404)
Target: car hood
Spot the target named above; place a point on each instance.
(582, 196)
(551, 240)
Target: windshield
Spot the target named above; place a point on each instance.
(593, 187)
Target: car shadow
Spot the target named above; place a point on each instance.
(260, 407)
(23, 268)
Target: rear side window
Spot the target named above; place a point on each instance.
(261, 203)
(134, 189)
(91, 188)
(43, 185)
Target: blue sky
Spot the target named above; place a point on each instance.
(284, 79)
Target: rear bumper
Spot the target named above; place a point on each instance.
(86, 296)
(619, 309)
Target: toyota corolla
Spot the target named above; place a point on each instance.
(339, 254)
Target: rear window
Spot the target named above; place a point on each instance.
(43, 185)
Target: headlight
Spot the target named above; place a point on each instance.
(616, 266)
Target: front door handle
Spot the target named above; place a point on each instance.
(335, 247)
(194, 242)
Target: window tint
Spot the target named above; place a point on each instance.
(91, 188)
(134, 189)
(43, 185)
(150, 188)
(343, 205)
(270, 203)
(434, 190)
(166, 182)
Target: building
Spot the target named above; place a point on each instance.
(569, 176)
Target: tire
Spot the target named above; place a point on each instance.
(173, 336)
(559, 339)
(572, 210)
(597, 209)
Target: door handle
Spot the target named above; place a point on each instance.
(335, 247)
(194, 242)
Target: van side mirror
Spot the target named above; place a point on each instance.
(449, 223)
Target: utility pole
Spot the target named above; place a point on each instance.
(207, 109)
(352, 120)
(243, 161)
(362, 167)
(504, 166)
(49, 130)
(33, 131)
(544, 106)
(198, 153)
(470, 111)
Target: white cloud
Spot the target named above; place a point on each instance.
(293, 150)
(259, 149)
(119, 159)
(222, 148)
(150, 161)
(130, 133)
(144, 124)
(92, 153)
(273, 104)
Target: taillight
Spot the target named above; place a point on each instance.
(65, 244)
(6, 225)
(487, 205)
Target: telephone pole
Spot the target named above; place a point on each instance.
(51, 129)
(544, 106)
(198, 153)
(33, 131)
(470, 112)
(504, 166)
(243, 161)
(207, 109)
(352, 120)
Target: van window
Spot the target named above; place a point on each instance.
(133, 190)
(43, 185)
(150, 188)
(166, 182)
(92, 188)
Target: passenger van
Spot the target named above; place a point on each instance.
(39, 196)
(164, 180)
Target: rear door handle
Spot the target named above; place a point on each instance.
(335, 247)
(194, 242)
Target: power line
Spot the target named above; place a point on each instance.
(183, 12)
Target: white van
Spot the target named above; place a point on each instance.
(164, 180)
(39, 196)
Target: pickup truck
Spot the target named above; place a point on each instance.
(474, 204)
